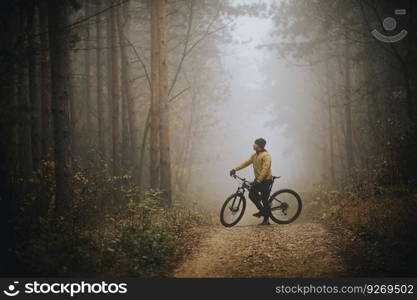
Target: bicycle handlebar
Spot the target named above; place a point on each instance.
(243, 179)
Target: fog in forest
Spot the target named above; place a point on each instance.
(266, 97)
(121, 122)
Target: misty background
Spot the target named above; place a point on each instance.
(266, 97)
(121, 119)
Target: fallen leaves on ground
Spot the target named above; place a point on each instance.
(306, 249)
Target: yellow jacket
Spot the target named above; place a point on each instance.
(261, 165)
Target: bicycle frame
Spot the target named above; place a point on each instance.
(246, 185)
(234, 206)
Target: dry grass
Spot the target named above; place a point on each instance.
(385, 230)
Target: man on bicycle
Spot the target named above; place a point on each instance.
(258, 193)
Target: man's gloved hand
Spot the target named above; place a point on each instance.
(232, 172)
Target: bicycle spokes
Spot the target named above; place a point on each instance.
(234, 206)
(284, 206)
(279, 205)
(234, 210)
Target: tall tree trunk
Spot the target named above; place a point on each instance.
(8, 143)
(45, 81)
(25, 135)
(330, 124)
(126, 151)
(109, 84)
(141, 166)
(34, 92)
(348, 109)
(127, 89)
(188, 162)
(155, 106)
(74, 117)
(183, 157)
(87, 74)
(115, 95)
(10, 125)
(164, 134)
(100, 91)
(58, 39)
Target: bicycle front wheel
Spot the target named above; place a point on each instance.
(232, 210)
(285, 206)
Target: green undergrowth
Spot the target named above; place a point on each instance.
(113, 228)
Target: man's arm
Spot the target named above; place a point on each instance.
(244, 164)
(266, 165)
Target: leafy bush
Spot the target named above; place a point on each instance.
(114, 228)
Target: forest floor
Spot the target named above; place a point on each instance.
(300, 249)
(364, 239)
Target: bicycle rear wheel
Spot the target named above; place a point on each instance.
(285, 206)
(232, 210)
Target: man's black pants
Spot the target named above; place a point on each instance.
(259, 193)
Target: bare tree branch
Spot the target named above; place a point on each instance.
(139, 59)
(177, 95)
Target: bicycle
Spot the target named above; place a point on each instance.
(281, 204)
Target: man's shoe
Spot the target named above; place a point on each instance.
(258, 214)
(265, 222)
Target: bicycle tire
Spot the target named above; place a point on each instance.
(297, 214)
(222, 219)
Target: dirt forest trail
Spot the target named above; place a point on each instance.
(300, 249)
